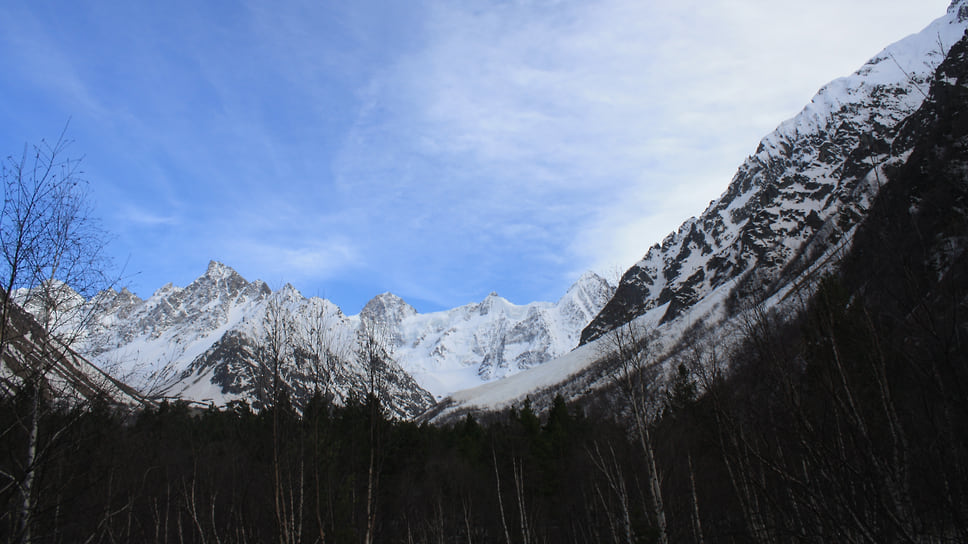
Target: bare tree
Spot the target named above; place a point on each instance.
(276, 350)
(373, 353)
(374, 349)
(632, 349)
(53, 260)
(609, 468)
(278, 353)
(327, 346)
(500, 498)
(52, 246)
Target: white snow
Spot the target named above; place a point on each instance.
(155, 345)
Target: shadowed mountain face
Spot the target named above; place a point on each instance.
(801, 193)
(909, 256)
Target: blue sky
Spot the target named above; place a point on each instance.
(438, 150)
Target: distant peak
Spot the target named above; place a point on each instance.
(166, 290)
(589, 284)
(126, 294)
(387, 308)
(218, 270)
(385, 300)
(289, 291)
(489, 302)
(492, 298)
(386, 296)
(590, 277)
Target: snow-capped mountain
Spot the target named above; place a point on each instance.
(455, 349)
(789, 215)
(205, 342)
(151, 341)
(202, 342)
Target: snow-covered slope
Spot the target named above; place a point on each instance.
(802, 191)
(151, 341)
(455, 349)
(789, 213)
(32, 356)
(202, 342)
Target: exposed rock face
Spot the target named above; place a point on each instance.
(205, 342)
(803, 191)
(388, 310)
(463, 347)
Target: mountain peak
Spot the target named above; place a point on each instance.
(589, 278)
(488, 303)
(289, 293)
(388, 309)
(590, 287)
(166, 290)
(220, 274)
(217, 270)
(386, 298)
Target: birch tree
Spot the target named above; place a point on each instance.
(52, 259)
(632, 350)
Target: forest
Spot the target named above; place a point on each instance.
(830, 426)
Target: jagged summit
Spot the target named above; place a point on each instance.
(217, 270)
(201, 341)
(166, 290)
(387, 309)
(492, 301)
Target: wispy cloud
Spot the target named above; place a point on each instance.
(139, 216)
(603, 123)
(441, 150)
(282, 262)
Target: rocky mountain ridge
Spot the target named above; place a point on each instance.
(202, 342)
(802, 192)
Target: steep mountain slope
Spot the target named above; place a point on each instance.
(789, 216)
(205, 341)
(909, 258)
(801, 193)
(32, 356)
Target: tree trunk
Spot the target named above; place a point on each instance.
(27, 487)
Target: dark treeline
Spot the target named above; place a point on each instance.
(174, 474)
(831, 426)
